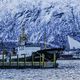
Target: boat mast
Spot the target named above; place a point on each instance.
(22, 38)
(45, 46)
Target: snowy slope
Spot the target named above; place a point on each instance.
(58, 18)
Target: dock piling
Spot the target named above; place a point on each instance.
(3, 60)
(40, 61)
(25, 60)
(32, 59)
(17, 60)
(10, 59)
(43, 59)
(54, 60)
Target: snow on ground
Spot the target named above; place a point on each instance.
(67, 70)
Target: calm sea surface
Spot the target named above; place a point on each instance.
(67, 70)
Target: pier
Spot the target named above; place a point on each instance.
(40, 59)
(23, 63)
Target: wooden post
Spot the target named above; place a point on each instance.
(40, 61)
(32, 59)
(54, 58)
(3, 60)
(43, 59)
(10, 60)
(25, 60)
(17, 60)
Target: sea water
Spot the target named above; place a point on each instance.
(67, 70)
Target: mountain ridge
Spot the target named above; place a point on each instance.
(39, 17)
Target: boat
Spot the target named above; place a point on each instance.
(25, 48)
(30, 55)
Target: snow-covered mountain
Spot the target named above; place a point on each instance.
(50, 19)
